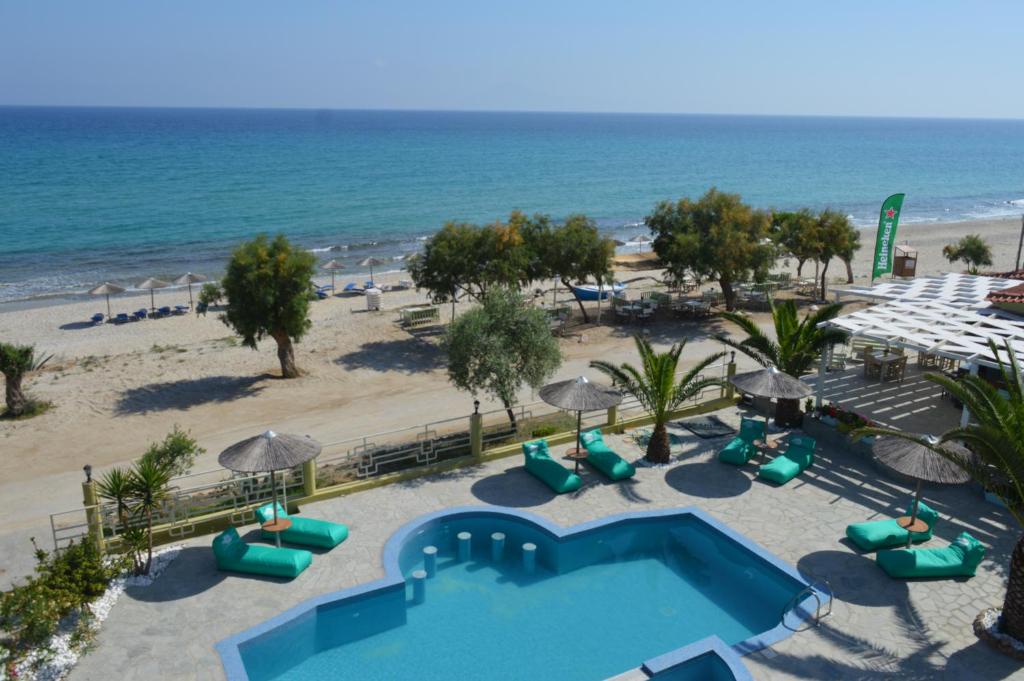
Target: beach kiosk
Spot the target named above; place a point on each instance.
(904, 261)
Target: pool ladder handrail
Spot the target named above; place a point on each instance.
(811, 590)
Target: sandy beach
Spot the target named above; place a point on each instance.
(118, 388)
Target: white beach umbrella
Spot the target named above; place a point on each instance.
(189, 278)
(105, 289)
(150, 285)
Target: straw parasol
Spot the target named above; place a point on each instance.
(333, 266)
(267, 453)
(105, 289)
(579, 395)
(771, 383)
(916, 460)
(640, 240)
(371, 263)
(150, 285)
(190, 278)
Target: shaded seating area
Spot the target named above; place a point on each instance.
(880, 534)
(797, 458)
(234, 555)
(303, 531)
(603, 458)
(741, 448)
(540, 465)
(960, 559)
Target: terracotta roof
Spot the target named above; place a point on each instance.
(1015, 274)
(1014, 294)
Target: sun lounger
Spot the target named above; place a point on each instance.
(121, 318)
(791, 463)
(959, 559)
(880, 534)
(601, 457)
(235, 555)
(180, 309)
(741, 448)
(164, 311)
(352, 288)
(369, 284)
(304, 531)
(139, 315)
(540, 464)
(97, 318)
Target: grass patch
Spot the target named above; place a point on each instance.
(160, 349)
(33, 408)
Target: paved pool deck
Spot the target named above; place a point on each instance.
(879, 628)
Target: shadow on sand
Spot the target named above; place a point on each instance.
(188, 393)
(408, 355)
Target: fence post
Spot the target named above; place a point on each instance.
(730, 371)
(613, 415)
(90, 499)
(309, 477)
(476, 433)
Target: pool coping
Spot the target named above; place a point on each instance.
(230, 647)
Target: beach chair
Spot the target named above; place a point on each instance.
(139, 315)
(122, 318)
(741, 448)
(164, 311)
(540, 465)
(304, 531)
(180, 309)
(201, 308)
(97, 318)
(603, 458)
(234, 555)
(352, 288)
(797, 458)
(880, 534)
(959, 559)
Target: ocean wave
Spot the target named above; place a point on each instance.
(328, 249)
(1016, 202)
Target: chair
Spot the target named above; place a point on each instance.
(352, 288)
(97, 318)
(122, 318)
(164, 311)
(540, 465)
(959, 559)
(837, 358)
(304, 531)
(201, 308)
(797, 458)
(180, 309)
(895, 371)
(139, 315)
(603, 458)
(741, 448)
(880, 534)
(234, 555)
(872, 366)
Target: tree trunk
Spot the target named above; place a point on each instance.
(658, 449)
(1012, 621)
(849, 270)
(286, 355)
(824, 275)
(16, 401)
(586, 318)
(511, 413)
(800, 267)
(149, 533)
(729, 294)
(787, 413)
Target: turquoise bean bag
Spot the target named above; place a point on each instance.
(881, 534)
(304, 531)
(741, 448)
(959, 559)
(601, 457)
(791, 463)
(233, 554)
(540, 464)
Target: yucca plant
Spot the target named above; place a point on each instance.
(996, 437)
(798, 345)
(137, 494)
(16, 362)
(116, 486)
(654, 384)
(149, 489)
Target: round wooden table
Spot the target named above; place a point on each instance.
(917, 526)
(276, 528)
(577, 454)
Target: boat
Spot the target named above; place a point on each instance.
(588, 292)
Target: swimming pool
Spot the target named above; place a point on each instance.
(600, 599)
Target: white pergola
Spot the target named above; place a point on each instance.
(961, 290)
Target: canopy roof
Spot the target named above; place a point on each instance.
(951, 289)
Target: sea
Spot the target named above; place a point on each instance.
(120, 194)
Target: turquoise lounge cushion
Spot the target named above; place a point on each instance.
(797, 458)
(540, 464)
(959, 559)
(304, 531)
(603, 458)
(741, 448)
(880, 534)
(231, 553)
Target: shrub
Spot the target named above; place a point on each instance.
(211, 294)
(176, 454)
(544, 431)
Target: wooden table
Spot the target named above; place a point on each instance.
(764, 446)
(917, 526)
(885, 360)
(276, 528)
(577, 454)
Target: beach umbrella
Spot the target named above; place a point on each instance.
(771, 384)
(105, 289)
(189, 278)
(371, 263)
(916, 460)
(270, 452)
(640, 240)
(150, 285)
(333, 266)
(579, 395)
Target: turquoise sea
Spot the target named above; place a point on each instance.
(89, 194)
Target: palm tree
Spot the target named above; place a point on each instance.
(117, 486)
(798, 345)
(655, 386)
(996, 437)
(149, 490)
(16, 361)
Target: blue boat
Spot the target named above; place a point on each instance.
(589, 292)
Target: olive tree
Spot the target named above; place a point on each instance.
(836, 238)
(973, 250)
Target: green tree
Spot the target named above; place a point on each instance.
(499, 346)
(798, 345)
(16, 362)
(972, 250)
(836, 238)
(654, 384)
(574, 252)
(267, 286)
(996, 437)
(796, 232)
(716, 237)
(177, 453)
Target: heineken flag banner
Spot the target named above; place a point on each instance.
(888, 220)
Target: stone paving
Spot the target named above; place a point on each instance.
(879, 628)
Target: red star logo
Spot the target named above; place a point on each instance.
(891, 213)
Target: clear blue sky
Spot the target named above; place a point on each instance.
(897, 57)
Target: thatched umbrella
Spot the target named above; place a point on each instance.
(771, 384)
(189, 278)
(579, 395)
(333, 266)
(640, 240)
(371, 263)
(150, 285)
(916, 460)
(268, 453)
(105, 289)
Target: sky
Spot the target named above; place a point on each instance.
(934, 58)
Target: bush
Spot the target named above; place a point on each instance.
(176, 454)
(544, 431)
(211, 294)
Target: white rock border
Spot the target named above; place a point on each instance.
(986, 627)
(56, 659)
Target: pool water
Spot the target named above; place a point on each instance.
(599, 602)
